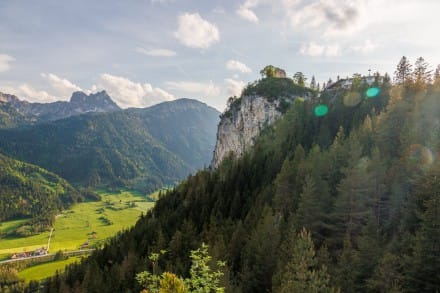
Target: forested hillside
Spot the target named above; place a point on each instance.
(363, 178)
(136, 148)
(185, 127)
(30, 191)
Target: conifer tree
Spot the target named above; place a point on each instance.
(421, 74)
(313, 83)
(402, 75)
(303, 273)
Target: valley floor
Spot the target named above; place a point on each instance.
(83, 226)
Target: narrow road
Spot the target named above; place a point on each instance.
(48, 242)
(66, 253)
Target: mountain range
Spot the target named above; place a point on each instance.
(15, 112)
(137, 148)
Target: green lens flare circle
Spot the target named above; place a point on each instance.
(321, 110)
(372, 92)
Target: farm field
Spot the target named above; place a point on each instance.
(84, 224)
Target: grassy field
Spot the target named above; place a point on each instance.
(44, 270)
(84, 222)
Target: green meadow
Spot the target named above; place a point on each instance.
(45, 270)
(87, 222)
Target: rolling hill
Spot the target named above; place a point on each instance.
(29, 191)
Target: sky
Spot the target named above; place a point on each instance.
(143, 52)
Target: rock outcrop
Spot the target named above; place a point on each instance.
(79, 103)
(241, 123)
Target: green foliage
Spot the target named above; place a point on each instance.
(202, 279)
(272, 71)
(274, 88)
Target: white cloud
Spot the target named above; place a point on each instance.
(29, 93)
(157, 52)
(5, 61)
(195, 32)
(238, 66)
(367, 47)
(245, 10)
(234, 87)
(326, 16)
(62, 86)
(196, 88)
(315, 50)
(127, 93)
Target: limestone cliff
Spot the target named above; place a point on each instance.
(241, 123)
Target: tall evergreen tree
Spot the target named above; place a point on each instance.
(313, 83)
(402, 75)
(421, 74)
(303, 273)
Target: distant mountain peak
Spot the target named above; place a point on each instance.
(98, 102)
(79, 103)
(78, 97)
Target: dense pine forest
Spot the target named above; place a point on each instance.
(361, 181)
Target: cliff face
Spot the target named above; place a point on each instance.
(241, 124)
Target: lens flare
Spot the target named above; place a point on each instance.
(420, 155)
(321, 110)
(351, 99)
(372, 92)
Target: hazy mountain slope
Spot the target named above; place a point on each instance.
(125, 148)
(185, 127)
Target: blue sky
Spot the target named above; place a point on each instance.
(145, 52)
